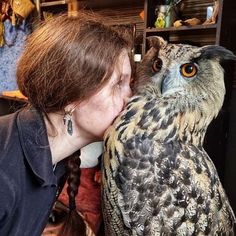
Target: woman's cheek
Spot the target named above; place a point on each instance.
(120, 104)
(116, 109)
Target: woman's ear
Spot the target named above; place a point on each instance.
(70, 107)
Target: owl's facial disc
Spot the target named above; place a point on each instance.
(158, 80)
(174, 78)
(178, 76)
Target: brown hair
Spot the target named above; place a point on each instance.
(68, 59)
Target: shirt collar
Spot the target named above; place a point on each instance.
(34, 141)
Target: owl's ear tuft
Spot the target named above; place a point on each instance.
(218, 53)
(156, 42)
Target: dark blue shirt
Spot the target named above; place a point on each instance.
(28, 184)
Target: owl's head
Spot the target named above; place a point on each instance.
(184, 71)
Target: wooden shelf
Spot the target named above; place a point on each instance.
(13, 95)
(181, 28)
(95, 4)
(53, 3)
(101, 4)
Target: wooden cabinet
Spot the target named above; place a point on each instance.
(219, 33)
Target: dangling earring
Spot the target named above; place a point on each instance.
(67, 119)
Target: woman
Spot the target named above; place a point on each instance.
(75, 72)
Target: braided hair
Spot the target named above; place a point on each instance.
(73, 222)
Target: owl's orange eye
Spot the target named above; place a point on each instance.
(157, 65)
(188, 70)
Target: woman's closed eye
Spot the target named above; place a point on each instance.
(119, 84)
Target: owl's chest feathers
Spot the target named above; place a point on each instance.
(162, 120)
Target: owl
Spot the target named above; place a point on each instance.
(157, 179)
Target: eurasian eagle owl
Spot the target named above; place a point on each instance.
(157, 177)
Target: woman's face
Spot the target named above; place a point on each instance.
(96, 114)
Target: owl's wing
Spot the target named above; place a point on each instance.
(141, 181)
(170, 187)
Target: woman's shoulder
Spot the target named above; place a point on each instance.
(8, 123)
(7, 119)
(7, 126)
(16, 126)
(23, 114)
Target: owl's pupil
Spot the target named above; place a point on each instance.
(189, 69)
(159, 63)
